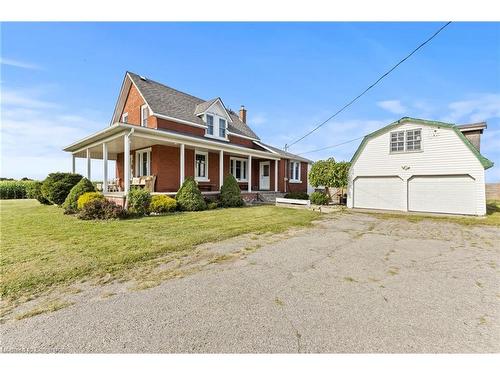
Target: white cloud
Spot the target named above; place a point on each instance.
(478, 108)
(393, 106)
(32, 138)
(18, 64)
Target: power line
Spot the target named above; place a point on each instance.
(369, 87)
(327, 147)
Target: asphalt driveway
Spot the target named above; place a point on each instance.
(352, 283)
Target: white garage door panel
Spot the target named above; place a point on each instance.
(384, 193)
(443, 194)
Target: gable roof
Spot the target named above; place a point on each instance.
(484, 161)
(284, 154)
(166, 101)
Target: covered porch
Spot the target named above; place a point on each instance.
(161, 160)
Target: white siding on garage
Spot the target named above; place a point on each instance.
(384, 193)
(443, 153)
(442, 194)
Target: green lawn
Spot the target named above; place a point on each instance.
(41, 247)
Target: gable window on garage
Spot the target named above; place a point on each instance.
(413, 140)
(397, 141)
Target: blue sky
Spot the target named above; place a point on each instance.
(60, 81)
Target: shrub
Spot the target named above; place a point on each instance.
(297, 195)
(86, 198)
(101, 209)
(319, 198)
(34, 191)
(56, 187)
(189, 197)
(162, 203)
(138, 201)
(83, 186)
(230, 193)
(212, 205)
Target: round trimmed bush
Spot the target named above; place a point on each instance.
(162, 203)
(56, 187)
(138, 201)
(101, 209)
(230, 193)
(189, 196)
(83, 186)
(34, 191)
(86, 198)
(319, 198)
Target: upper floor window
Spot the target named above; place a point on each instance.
(409, 140)
(222, 128)
(144, 115)
(294, 171)
(413, 140)
(201, 165)
(210, 124)
(125, 118)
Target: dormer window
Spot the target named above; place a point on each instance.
(125, 118)
(210, 124)
(222, 128)
(144, 115)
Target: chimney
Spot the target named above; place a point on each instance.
(243, 114)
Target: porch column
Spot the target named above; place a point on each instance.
(182, 166)
(249, 173)
(276, 175)
(89, 161)
(221, 168)
(126, 163)
(105, 167)
(73, 163)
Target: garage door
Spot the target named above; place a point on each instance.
(453, 194)
(384, 193)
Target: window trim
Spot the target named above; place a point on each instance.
(405, 139)
(231, 159)
(198, 178)
(208, 126)
(125, 118)
(138, 157)
(293, 180)
(144, 106)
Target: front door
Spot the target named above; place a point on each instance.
(264, 169)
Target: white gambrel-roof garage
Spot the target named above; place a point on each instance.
(418, 165)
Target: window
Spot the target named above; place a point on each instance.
(397, 141)
(125, 118)
(239, 169)
(409, 140)
(294, 171)
(222, 128)
(201, 165)
(143, 162)
(210, 124)
(144, 115)
(413, 139)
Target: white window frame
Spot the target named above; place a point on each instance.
(208, 126)
(233, 169)
(414, 140)
(224, 127)
(405, 141)
(138, 162)
(292, 178)
(125, 118)
(196, 177)
(144, 121)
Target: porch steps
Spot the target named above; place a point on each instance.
(269, 196)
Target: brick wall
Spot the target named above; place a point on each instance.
(493, 191)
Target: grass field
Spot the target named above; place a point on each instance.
(42, 248)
